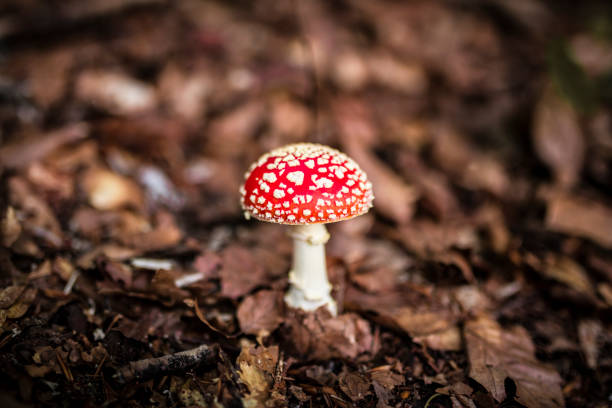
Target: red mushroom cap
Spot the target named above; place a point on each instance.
(305, 183)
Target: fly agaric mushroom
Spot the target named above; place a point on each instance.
(306, 186)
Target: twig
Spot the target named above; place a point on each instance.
(64, 367)
(151, 367)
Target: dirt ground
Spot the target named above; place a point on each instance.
(129, 277)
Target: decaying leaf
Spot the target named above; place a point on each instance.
(257, 369)
(496, 353)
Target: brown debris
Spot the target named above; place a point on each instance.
(260, 313)
(496, 354)
(126, 127)
(576, 216)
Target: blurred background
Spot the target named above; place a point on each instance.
(485, 127)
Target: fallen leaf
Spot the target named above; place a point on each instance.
(321, 336)
(240, 273)
(29, 149)
(496, 353)
(567, 271)
(580, 217)
(10, 227)
(558, 139)
(9, 295)
(588, 334)
(393, 197)
(115, 92)
(355, 385)
(110, 191)
(260, 313)
(257, 368)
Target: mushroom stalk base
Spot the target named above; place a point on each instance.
(309, 288)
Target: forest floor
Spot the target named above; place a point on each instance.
(482, 277)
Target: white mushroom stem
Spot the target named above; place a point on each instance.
(309, 288)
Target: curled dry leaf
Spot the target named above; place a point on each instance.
(496, 353)
(558, 139)
(260, 313)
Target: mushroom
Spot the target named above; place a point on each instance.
(306, 186)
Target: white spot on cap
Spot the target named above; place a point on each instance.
(310, 164)
(296, 177)
(322, 182)
(291, 217)
(321, 161)
(306, 212)
(261, 200)
(270, 177)
(278, 193)
(264, 187)
(320, 202)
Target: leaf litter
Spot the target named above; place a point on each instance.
(482, 276)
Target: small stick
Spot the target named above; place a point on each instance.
(150, 367)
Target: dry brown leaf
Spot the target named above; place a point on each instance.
(10, 227)
(569, 272)
(355, 385)
(393, 197)
(9, 295)
(580, 217)
(588, 334)
(321, 336)
(473, 168)
(115, 92)
(260, 313)
(228, 135)
(257, 368)
(110, 191)
(31, 148)
(558, 139)
(240, 273)
(496, 353)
